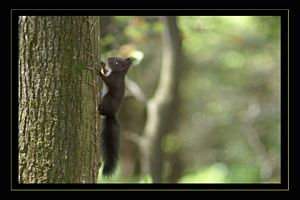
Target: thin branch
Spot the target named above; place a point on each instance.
(134, 137)
(135, 90)
(259, 149)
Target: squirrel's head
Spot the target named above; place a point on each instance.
(120, 64)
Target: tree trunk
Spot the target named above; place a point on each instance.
(161, 108)
(58, 120)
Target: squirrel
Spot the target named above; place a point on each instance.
(112, 93)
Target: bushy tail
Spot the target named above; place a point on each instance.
(110, 144)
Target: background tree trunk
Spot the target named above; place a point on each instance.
(161, 109)
(58, 121)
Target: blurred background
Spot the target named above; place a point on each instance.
(227, 127)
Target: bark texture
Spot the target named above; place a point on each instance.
(58, 121)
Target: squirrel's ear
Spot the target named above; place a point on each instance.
(130, 60)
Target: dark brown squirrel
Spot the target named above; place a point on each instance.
(112, 93)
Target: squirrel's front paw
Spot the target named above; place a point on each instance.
(102, 64)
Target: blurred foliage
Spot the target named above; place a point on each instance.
(235, 76)
(229, 122)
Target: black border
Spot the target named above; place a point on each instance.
(284, 13)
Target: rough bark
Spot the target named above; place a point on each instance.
(58, 121)
(162, 107)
